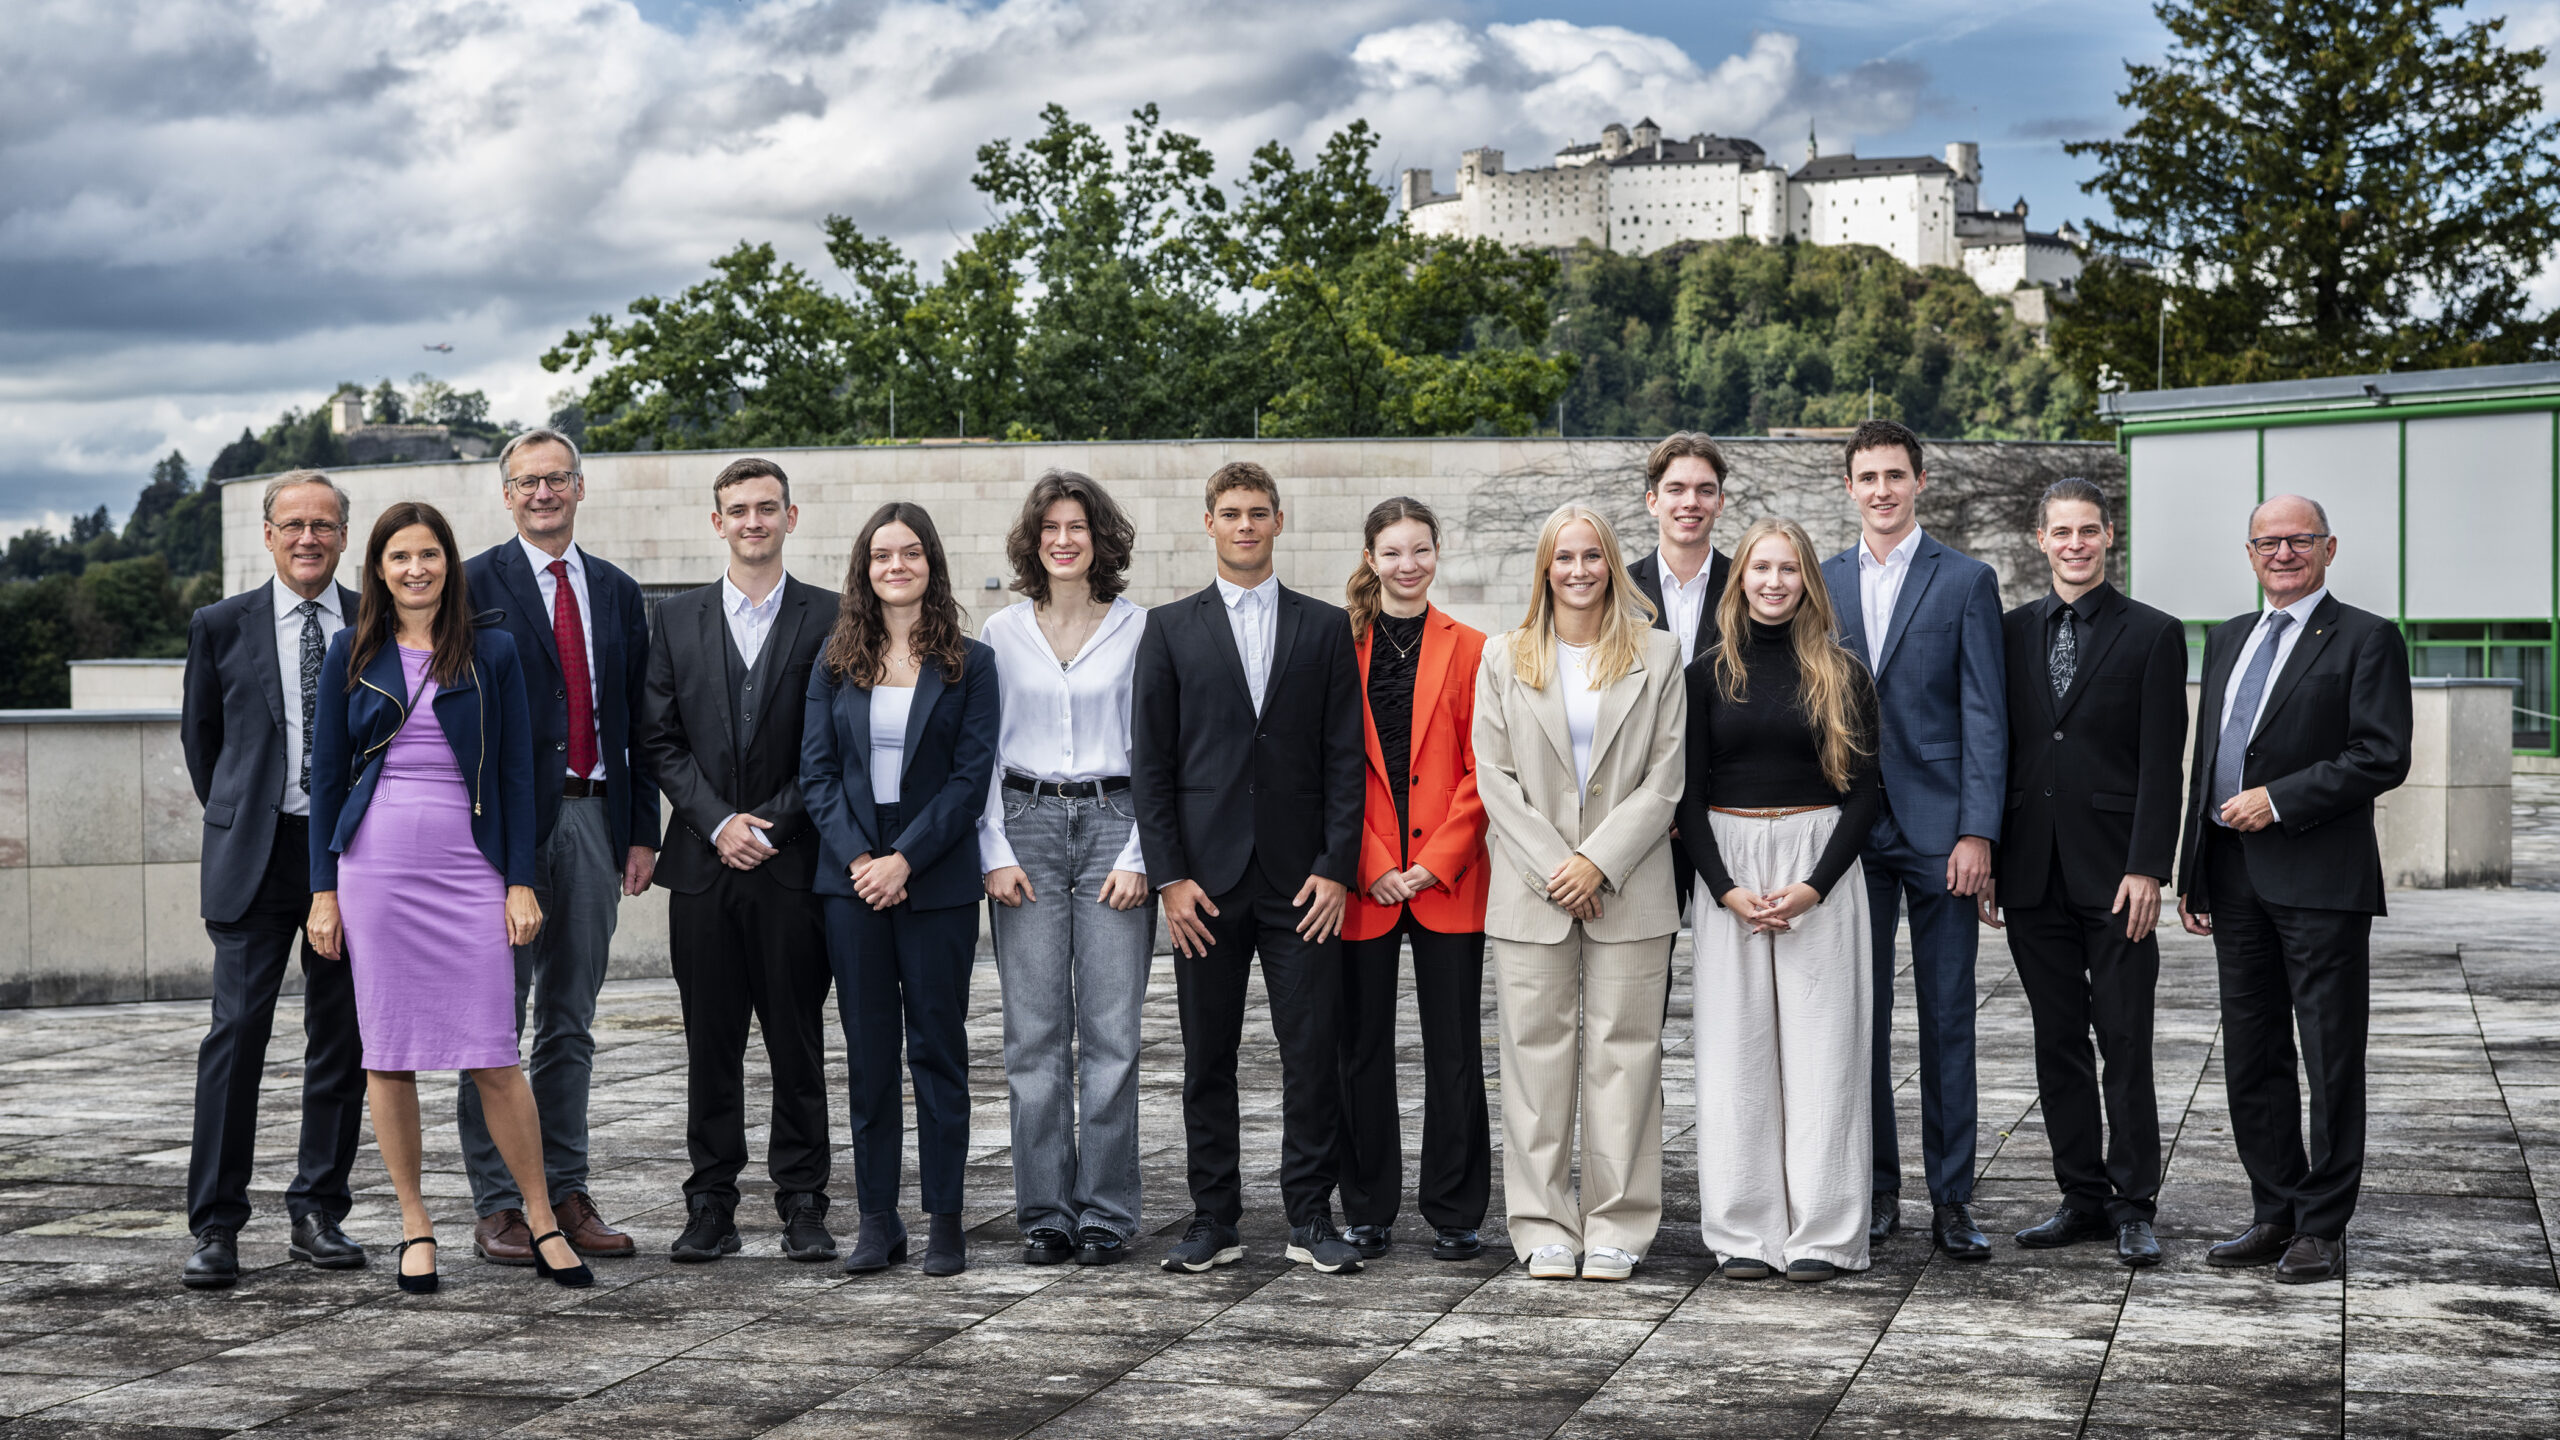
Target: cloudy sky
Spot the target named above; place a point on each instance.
(213, 209)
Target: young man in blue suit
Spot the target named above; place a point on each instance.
(582, 632)
(1927, 622)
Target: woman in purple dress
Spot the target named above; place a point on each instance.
(422, 861)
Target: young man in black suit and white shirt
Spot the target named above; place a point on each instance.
(1246, 769)
(1685, 575)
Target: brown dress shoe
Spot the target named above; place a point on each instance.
(502, 1238)
(2260, 1244)
(587, 1232)
(2311, 1258)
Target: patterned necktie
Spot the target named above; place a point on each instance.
(311, 650)
(2231, 752)
(571, 636)
(2064, 659)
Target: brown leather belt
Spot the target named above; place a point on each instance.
(578, 787)
(1768, 812)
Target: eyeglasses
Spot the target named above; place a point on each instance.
(532, 484)
(323, 531)
(2300, 544)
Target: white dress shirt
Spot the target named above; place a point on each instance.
(1880, 585)
(889, 707)
(1685, 606)
(1581, 706)
(749, 624)
(2300, 610)
(1254, 616)
(1064, 722)
(550, 588)
(289, 669)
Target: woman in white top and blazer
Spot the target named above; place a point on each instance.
(1580, 725)
(1074, 920)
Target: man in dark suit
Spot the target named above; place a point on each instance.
(1246, 770)
(2097, 721)
(1684, 576)
(253, 671)
(720, 722)
(582, 630)
(2303, 723)
(1927, 622)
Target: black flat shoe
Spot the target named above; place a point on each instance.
(567, 1277)
(1811, 1272)
(1885, 1218)
(215, 1264)
(880, 1243)
(1047, 1245)
(2136, 1246)
(1456, 1242)
(2311, 1258)
(1953, 1228)
(1370, 1240)
(1743, 1267)
(318, 1242)
(1097, 1246)
(414, 1284)
(2069, 1226)
(2261, 1244)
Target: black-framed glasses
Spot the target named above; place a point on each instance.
(323, 531)
(2300, 544)
(559, 482)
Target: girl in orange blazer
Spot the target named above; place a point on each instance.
(1421, 880)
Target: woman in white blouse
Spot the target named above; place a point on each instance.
(1074, 920)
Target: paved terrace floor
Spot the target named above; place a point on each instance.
(2447, 1326)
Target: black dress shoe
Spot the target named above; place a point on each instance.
(318, 1241)
(711, 1232)
(805, 1236)
(2136, 1246)
(2069, 1226)
(881, 1243)
(1370, 1240)
(1454, 1242)
(2260, 1244)
(2311, 1258)
(215, 1265)
(576, 1276)
(1047, 1245)
(1097, 1246)
(1956, 1234)
(1885, 1218)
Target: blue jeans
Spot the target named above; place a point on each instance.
(1943, 941)
(1075, 982)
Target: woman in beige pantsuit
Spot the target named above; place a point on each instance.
(1580, 719)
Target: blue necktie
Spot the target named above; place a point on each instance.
(2233, 750)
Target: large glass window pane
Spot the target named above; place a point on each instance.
(2532, 665)
(2424, 632)
(2453, 662)
(2521, 630)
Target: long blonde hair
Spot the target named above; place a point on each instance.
(1363, 593)
(1828, 685)
(1629, 615)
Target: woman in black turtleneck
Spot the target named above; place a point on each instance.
(1782, 790)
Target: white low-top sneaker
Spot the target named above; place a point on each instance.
(1607, 1264)
(1551, 1262)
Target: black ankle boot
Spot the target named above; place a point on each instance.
(882, 1243)
(946, 1250)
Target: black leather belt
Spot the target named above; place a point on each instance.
(1067, 789)
(578, 787)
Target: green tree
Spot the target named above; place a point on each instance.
(2320, 187)
(387, 406)
(36, 646)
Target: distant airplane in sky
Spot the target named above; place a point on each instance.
(445, 348)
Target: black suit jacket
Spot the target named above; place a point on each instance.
(718, 753)
(1217, 787)
(232, 727)
(2332, 738)
(1647, 573)
(944, 768)
(2093, 777)
(501, 578)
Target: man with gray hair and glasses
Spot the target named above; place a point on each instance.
(582, 629)
(253, 675)
(2303, 724)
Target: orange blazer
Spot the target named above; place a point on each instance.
(1448, 819)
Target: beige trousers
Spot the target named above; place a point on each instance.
(1582, 1020)
(1784, 1157)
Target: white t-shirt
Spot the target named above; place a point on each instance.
(1581, 706)
(889, 707)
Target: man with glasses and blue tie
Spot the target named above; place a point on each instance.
(253, 671)
(2303, 724)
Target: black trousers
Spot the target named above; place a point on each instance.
(2286, 969)
(749, 945)
(1304, 982)
(249, 956)
(2083, 977)
(1457, 1138)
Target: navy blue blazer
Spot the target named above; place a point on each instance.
(1943, 692)
(484, 720)
(501, 577)
(950, 760)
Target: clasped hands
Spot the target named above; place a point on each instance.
(881, 881)
(1770, 914)
(1574, 887)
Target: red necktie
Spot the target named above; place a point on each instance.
(572, 639)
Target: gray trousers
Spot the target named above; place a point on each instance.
(578, 879)
(1075, 980)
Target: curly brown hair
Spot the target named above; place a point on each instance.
(857, 651)
(1114, 536)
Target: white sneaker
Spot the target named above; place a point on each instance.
(1607, 1264)
(1551, 1262)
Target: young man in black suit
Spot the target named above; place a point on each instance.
(1684, 576)
(1246, 770)
(2304, 722)
(720, 721)
(253, 671)
(2097, 718)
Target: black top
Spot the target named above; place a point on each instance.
(1761, 753)
(1395, 653)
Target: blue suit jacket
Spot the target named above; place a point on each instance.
(949, 760)
(500, 578)
(483, 718)
(1942, 689)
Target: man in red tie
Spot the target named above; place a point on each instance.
(583, 631)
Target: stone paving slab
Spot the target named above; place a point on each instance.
(2447, 1326)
